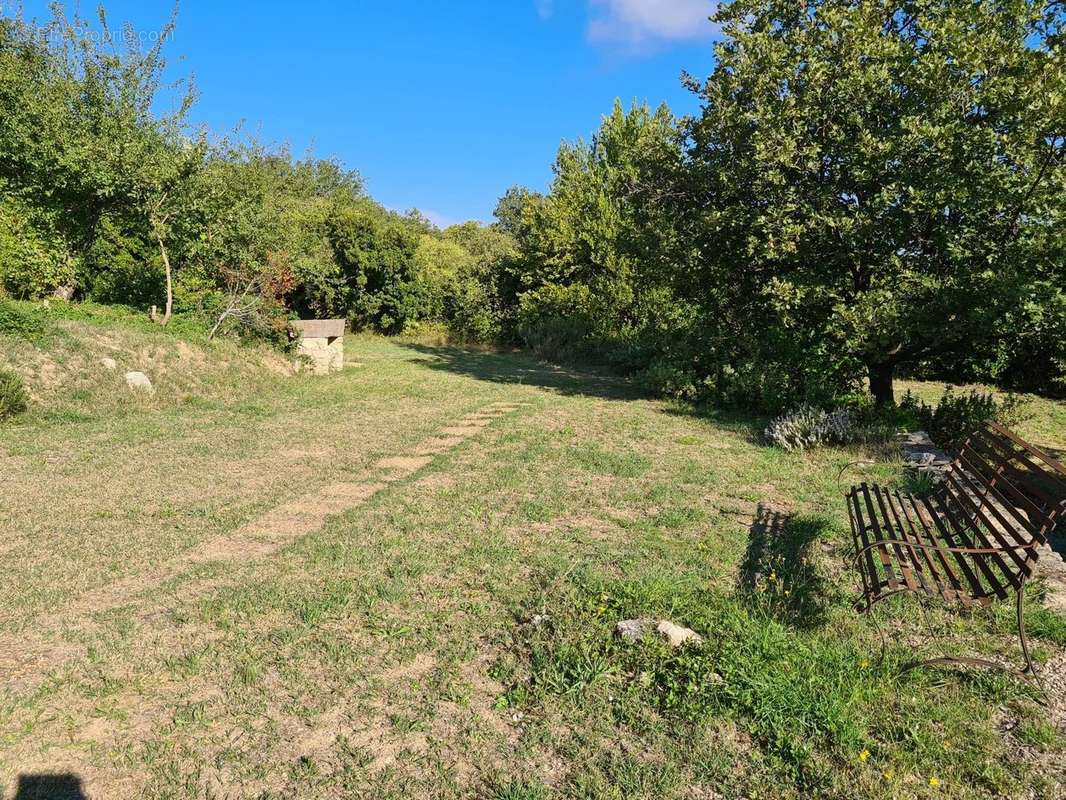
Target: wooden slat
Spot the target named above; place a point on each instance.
(855, 518)
(1012, 502)
(967, 537)
(926, 534)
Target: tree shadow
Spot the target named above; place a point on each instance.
(523, 369)
(748, 424)
(58, 786)
(778, 573)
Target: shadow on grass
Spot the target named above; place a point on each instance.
(778, 574)
(746, 423)
(58, 786)
(524, 369)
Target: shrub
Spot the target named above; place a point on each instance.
(809, 426)
(470, 314)
(955, 417)
(667, 379)
(553, 321)
(13, 396)
(18, 322)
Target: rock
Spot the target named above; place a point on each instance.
(109, 363)
(139, 382)
(920, 454)
(633, 630)
(676, 635)
(539, 620)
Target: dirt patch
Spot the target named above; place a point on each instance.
(773, 498)
(461, 431)
(587, 524)
(437, 481)
(432, 447)
(403, 464)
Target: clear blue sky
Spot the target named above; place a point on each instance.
(439, 105)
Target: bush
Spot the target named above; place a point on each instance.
(667, 379)
(955, 417)
(34, 260)
(470, 314)
(13, 396)
(18, 322)
(553, 321)
(809, 426)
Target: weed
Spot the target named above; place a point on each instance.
(14, 399)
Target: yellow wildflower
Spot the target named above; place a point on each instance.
(865, 754)
(934, 782)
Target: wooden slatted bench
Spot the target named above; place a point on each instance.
(973, 540)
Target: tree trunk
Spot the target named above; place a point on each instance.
(881, 383)
(170, 283)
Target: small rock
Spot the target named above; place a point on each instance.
(109, 363)
(676, 635)
(140, 382)
(633, 630)
(539, 620)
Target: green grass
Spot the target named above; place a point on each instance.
(391, 653)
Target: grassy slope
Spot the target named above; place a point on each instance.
(389, 654)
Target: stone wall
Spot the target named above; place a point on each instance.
(325, 355)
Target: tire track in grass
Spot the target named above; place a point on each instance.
(26, 659)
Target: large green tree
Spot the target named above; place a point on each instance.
(878, 183)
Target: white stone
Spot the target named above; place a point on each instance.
(109, 363)
(139, 382)
(677, 635)
(634, 630)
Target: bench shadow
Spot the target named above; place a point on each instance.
(522, 368)
(778, 573)
(44, 786)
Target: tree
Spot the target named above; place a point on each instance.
(878, 182)
(605, 232)
(508, 211)
(80, 138)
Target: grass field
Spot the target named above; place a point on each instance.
(323, 588)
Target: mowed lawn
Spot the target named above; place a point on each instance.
(403, 581)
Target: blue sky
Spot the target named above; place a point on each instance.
(439, 105)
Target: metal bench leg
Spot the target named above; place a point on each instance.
(1030, 669)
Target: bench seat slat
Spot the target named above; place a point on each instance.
(948, 585)
(919, 557)
(1013, 549)
(947, 535)
(882, 550)
(908, 570)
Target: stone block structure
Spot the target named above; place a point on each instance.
(322, 342)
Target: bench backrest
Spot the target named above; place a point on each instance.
(1022, 488)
